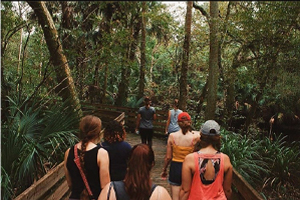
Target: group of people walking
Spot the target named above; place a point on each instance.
(113, 169)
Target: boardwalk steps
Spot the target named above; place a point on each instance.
(53, 185)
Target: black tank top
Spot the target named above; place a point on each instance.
(91, 169)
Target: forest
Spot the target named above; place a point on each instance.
(233, 61)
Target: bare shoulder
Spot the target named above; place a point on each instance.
(226, 157)
(190, 156)
(227, 162)
(160, 193)
(102, 151)
(67, 152)
(102, 154)
(197, 133)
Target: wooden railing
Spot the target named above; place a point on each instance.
(53, 185)
(106, 112)
(245, 190)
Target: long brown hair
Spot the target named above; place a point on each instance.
(90, 127)
(137, 179)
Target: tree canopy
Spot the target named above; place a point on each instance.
(234, 61)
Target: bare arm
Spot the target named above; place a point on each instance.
(187, 176)
(68, 177)
(168, 158)
(168, 122)
(103, 163)
(154, 116)
(138, 119)
(227, 177)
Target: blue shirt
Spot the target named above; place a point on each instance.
(118, 153)
(173, 126)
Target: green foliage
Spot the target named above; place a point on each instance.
(245, 156)
(282, 161)
(133, 102)
(6, 186)
(34, 140)
(264, 163)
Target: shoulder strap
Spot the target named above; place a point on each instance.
(108, 193)
(77, 161)
(153, 188)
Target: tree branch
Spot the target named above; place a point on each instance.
(204, 13)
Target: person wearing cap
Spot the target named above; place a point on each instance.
(180, 144)
(172, 125)
(207, 173)
(144, 123)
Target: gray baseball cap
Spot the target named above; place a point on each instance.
(210, 128)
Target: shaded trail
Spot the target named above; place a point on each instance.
(159, 147)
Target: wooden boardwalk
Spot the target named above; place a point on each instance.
(159, 147)
(53, 185)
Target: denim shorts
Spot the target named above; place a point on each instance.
(175, 173)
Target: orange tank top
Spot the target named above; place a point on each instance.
(179, 152)
(213, 190)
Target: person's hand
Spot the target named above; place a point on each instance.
(136, 131)
(164, 175)
(166, 132)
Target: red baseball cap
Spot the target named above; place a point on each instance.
(184, 116)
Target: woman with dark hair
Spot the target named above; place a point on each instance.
(144, 122)
(180, 144)
(118, 150)
(94, 160)
(207, 173)
(137, 184)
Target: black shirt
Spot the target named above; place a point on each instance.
(91, 169)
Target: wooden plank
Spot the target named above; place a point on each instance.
(107, 106)
(121, 118)
(39, 188)
(59, 192)
(156, 123)
(244, 188)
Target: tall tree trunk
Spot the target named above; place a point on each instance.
(213, 76)
(143, 53)
(66, 88)
(104, 85)
(185, 57)
(129, 59)
(20, 50)
(66, 23)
